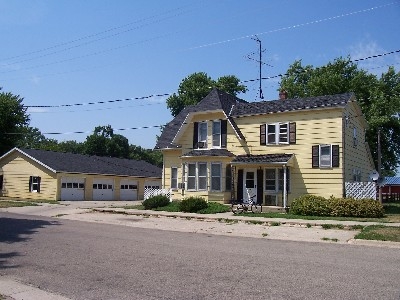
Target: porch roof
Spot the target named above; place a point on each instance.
(209, 152)
(264, 159)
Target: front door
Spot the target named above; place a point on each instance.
(250, 185)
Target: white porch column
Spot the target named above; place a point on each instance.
(284, 187)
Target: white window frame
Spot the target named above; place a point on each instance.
(174, 178)
(216, 136)
(202, 139)
(35, 184)
(280, 134)
(355, 141)
(218, 177)
(197, 176)
(322, 163)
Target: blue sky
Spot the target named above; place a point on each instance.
(69, 51)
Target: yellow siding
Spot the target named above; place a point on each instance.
(17, 170)
(357, 155)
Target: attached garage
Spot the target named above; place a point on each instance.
(72, 189)
(103, 189)
(129, 189)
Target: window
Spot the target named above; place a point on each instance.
(278, 133)
(216, 134)
(174, 178)
(1, 182)
(274, 179)
(197, 176)
(356, 175)
(355, 142)
(34, 184)
(216, 176)
(202, 134)
(325, 156)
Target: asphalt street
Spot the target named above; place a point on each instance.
(91, 260)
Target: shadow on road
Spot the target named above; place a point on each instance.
(13, 230)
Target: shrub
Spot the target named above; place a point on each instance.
(155, 201)
(309, 205)
(193, 204)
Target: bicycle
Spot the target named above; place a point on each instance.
(251, 205)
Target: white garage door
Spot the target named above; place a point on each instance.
(72, 189)
(128, 190)
(103, 189)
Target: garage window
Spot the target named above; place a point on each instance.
(34, 184)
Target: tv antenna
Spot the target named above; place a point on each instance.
(260, 63)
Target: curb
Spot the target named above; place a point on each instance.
(15, 290)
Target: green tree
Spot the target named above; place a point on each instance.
(379, 99)
(13, 121)
(151, 156)
(196, 86)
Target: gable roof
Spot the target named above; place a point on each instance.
(276, 106)
(234, 107)
(88, 164)
(215, 100)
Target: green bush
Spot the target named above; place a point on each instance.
(309, 205)
(155, 201)
(193, 204)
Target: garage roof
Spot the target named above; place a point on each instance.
(88, 164)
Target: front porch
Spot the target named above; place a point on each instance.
(264, 178)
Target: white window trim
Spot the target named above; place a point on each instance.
(174, 179)
(330, 156)
(220, 177)
(35, 184)
(278, 134)
(196, 177)
(219, 134)
(199, 140)
(277, 190)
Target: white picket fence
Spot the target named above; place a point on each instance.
(150, 192)
(360, 190)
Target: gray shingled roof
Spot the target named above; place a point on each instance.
(275, 106)
(263, 158)
(235, 107)
(209, 152)
(215, 100)
(78, 163)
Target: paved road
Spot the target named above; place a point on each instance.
(84, 260)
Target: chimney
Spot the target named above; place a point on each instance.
(282, 95)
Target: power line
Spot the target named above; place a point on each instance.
(293, 26)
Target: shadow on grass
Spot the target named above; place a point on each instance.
(14, 230)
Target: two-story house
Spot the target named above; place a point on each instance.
(225, 148)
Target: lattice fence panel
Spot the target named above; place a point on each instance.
(150, 192)
(360, 190)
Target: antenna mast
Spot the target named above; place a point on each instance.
(259, 63)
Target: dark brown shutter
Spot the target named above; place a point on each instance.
(292, 133)
(30, 184)
(262, 134)
(195, 135)
(38, 184)
(239, 194)
(260, 182)
(1, 182)
(315, 156)
(224, 124)
(228, 177)
(335, 156)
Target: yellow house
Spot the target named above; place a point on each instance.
(225, 148)
(40, 174)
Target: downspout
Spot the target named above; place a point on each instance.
(284, 187)
(344, 124)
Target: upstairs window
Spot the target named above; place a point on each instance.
(216, 134)
(202, 141)
(278, 133)
(325, 156)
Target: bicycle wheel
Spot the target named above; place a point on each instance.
(237, 208)
(256, 208)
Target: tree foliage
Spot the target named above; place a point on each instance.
(13, 121)
(197, 85)
(379, 99)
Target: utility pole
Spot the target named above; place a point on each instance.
(379, 167)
